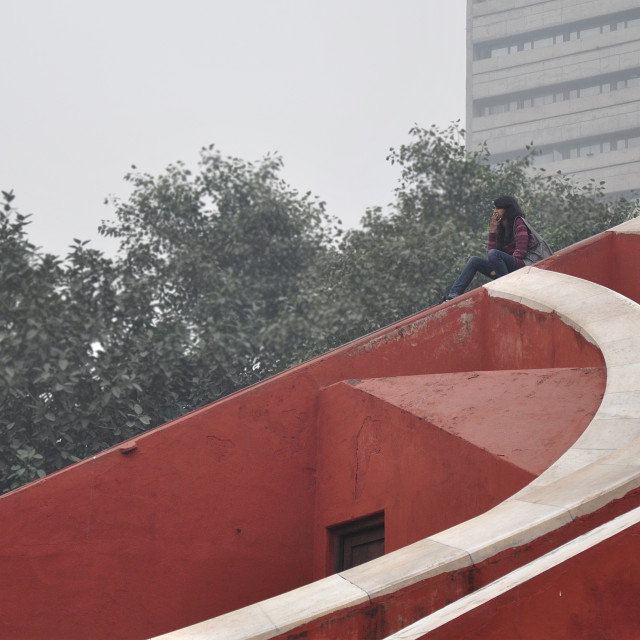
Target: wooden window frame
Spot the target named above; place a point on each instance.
(345, 534)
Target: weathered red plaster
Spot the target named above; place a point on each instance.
(609, 259)
(223, 507)
(528, 418)
(427, 451)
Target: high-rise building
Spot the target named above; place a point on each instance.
(563, 75)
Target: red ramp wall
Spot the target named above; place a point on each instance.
(217, 509)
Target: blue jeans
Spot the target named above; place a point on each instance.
(497, 261)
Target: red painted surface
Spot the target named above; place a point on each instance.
(385, 615)
(608, 259)
(593, 596)
(527, 418)
(222, 507)
(431, 456)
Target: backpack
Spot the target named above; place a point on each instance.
(538, 248)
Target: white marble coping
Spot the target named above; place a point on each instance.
(517, 577)
(266, 619)
(276, 615)
(601, 466)
(630, 226)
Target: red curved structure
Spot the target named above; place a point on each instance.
(475, 429)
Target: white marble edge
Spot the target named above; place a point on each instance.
(617, 421)
(511, 523)
(312, 601)
(248, 623)
(607, 433)
(571, 461)
(622, 378)
(586, 489)
(407, 566)
(630, 226)
(277, 615)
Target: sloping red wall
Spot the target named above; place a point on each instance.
(216, 510)
(608, 259)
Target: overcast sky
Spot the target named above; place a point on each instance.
(91, 87)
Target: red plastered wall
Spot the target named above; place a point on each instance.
(216, 510)
(609, 259)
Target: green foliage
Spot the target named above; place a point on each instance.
(406, 259)
(55, 395)
(566, 212)
(224, 260)
(227, 275)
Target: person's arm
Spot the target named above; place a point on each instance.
(521, 234)
(492, 240)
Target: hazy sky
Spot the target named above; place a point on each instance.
(90, 88)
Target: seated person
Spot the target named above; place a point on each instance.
(507, 246)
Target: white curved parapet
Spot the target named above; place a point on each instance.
(630, 226)
(601, 466)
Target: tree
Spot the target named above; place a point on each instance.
(405, 259)
(58, 402)
(227, 258)
(209, 292)
(226, 276)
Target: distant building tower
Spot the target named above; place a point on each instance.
(563, 75)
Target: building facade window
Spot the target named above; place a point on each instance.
(578, 148)
(521, 100)
(557, 35)
(559, 93)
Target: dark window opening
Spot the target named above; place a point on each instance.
(358, 541)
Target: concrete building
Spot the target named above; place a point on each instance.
(563, 75)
